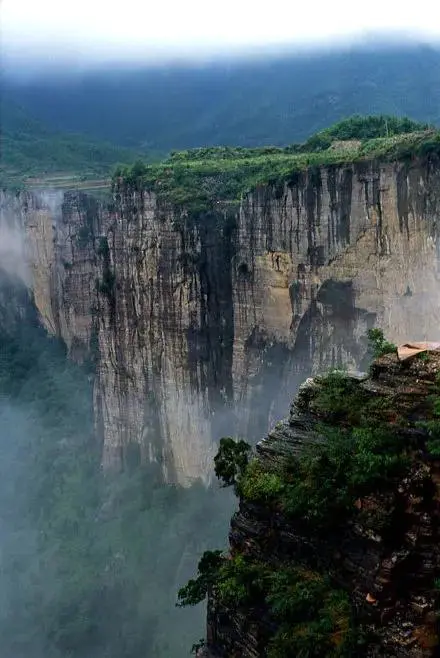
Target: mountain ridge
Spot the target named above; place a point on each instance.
(273, 101)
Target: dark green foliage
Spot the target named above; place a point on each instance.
(261, 485)
(196, 590)
(314, 618)
(338, 398)
(241, 582)
(322, 486)
(378, 344)
(132, 176)
(237, 580)
(231, 460)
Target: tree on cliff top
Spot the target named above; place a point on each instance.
(360, 127)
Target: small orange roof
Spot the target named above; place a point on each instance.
(411, 349)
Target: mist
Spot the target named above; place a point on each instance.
(12, 252)
(264, 101)
(25, 65)
(90, 562)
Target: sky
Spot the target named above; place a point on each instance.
(147, 29)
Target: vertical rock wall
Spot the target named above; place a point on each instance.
(201, 326)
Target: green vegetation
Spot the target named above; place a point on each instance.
(196, 590)
(30, 149)
(90, 560)
(321, 486)
(379, 345)
(365, 128)
(201, 179)
(260, 485)
(231, 460)
(359, 450)
(313, 618)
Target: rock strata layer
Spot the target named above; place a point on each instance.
(387, 554)
(200, 325)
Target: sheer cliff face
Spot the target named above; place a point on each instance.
(189, 319)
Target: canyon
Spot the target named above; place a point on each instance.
(197, 325)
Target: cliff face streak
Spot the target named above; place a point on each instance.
(191, 318)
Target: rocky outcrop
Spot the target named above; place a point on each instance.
(203, 324)
(384, 552)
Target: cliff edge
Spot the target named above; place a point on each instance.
(211, 285)
(334, 550)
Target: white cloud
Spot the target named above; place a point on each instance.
(93, 28)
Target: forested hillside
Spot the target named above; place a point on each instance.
(268, 101)
(29, 147)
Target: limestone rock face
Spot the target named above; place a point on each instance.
(201, 326)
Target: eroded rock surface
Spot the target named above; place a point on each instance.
(203, 325)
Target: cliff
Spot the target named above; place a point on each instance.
(334, 550)
(200, 323)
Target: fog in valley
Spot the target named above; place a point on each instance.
(90, 563)
(91, 560)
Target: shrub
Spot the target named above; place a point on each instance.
(314, 618)
(196, 590)
(231, 460)
(241, 581)
(378, 344)
(339, 398)
(260, 485)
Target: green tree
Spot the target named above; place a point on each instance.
(231, 460)
(196, 590)
(378, 343)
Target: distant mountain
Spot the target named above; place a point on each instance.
(271, 101)
(27, 147)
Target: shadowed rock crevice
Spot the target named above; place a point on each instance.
(176, 301)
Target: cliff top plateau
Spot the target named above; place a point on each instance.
(200, 179)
